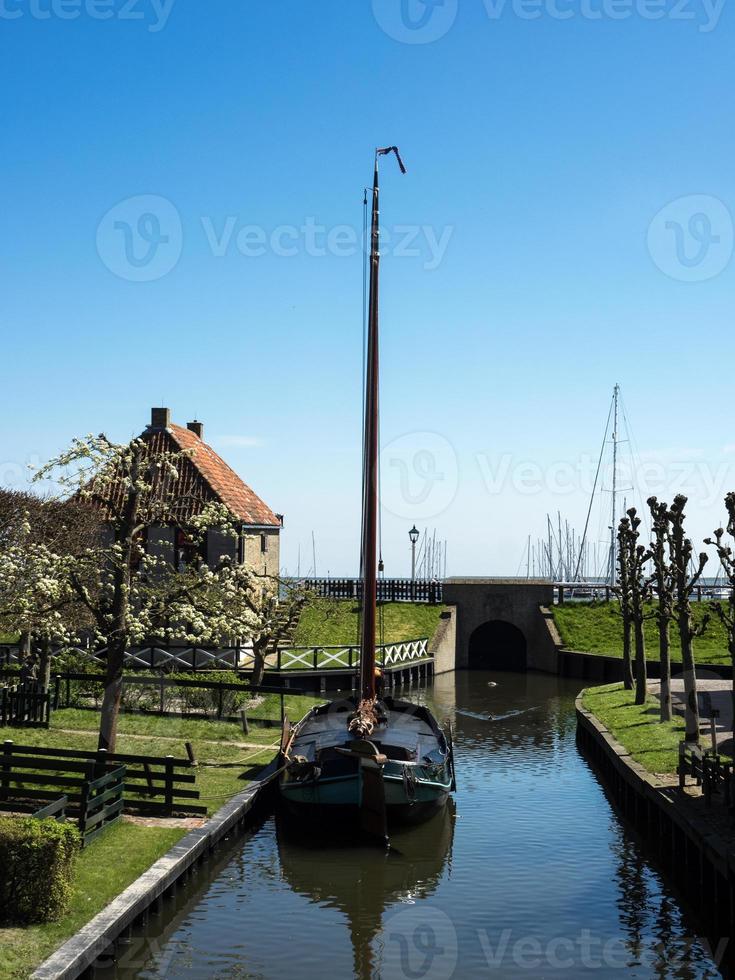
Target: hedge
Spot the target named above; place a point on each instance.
(37, 859)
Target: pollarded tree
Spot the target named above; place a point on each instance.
(662, 582)
(726, 613)
(637, 557)
(623, 591)
(685, 582)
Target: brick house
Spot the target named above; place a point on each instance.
(204, 477)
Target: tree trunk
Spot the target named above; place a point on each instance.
(641, 679)
(690, 681)
(627, 660)
(44, 665)
(665, 661)
(111, 698)
(259, 654)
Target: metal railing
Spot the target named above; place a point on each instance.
(601, 591)
(389, 589)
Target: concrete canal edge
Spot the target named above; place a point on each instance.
(700, 860)
(95, 938)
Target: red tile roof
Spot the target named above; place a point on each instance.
(205, 476)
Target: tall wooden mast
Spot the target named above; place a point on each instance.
(369, 554)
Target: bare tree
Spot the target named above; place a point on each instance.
(624, 593)
(685, 582)
(726, 614)
(662, 582)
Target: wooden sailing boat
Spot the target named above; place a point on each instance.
(381, 758)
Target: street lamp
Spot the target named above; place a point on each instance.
(413, 535)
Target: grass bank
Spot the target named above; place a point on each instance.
(228, 759)
(652, 743)
(334, 622)
(104, 869)
(597, 628)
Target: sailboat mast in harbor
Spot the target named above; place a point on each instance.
(365, 719)
(378, 758)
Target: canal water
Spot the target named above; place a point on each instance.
(529, 873)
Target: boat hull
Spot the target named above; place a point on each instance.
(340, 799)
(327, 780)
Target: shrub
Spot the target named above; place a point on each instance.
(203, 700)
(37, 859)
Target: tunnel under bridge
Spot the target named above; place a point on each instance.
(500, 623)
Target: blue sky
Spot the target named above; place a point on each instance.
(566, 224)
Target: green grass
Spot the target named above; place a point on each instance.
(654, 744)
(126, 850)
(223, 769)
(597, 628)
(104, 869)
(334, 622)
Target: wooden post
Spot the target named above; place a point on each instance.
(57, 691)
(7, 768)
(161, 697)
(169, 785)
(244, 720)
(84, 800)
(220, 704)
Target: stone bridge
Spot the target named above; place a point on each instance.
(496, 624)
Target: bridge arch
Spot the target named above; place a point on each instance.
(497, 645)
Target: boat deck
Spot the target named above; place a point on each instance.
(404, 734)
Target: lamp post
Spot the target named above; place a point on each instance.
(413, 535)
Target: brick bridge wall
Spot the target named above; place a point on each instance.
(516, 601)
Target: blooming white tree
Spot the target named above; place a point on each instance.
(132, 596)
(37, 542)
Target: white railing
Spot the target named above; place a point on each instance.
(314, 658)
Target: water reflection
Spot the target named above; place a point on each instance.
(534, 875)
(361, 882)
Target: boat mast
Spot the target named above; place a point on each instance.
(369, 554)
(613, 525)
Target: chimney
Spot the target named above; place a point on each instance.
(196, 427)
(160, 418)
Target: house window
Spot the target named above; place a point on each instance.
(263, 543)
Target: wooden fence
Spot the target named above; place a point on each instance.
(151, 784)
(706, 768)
(348, 657)
(25, 705)
(101, 803)
(62, 695)
(94, 788)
